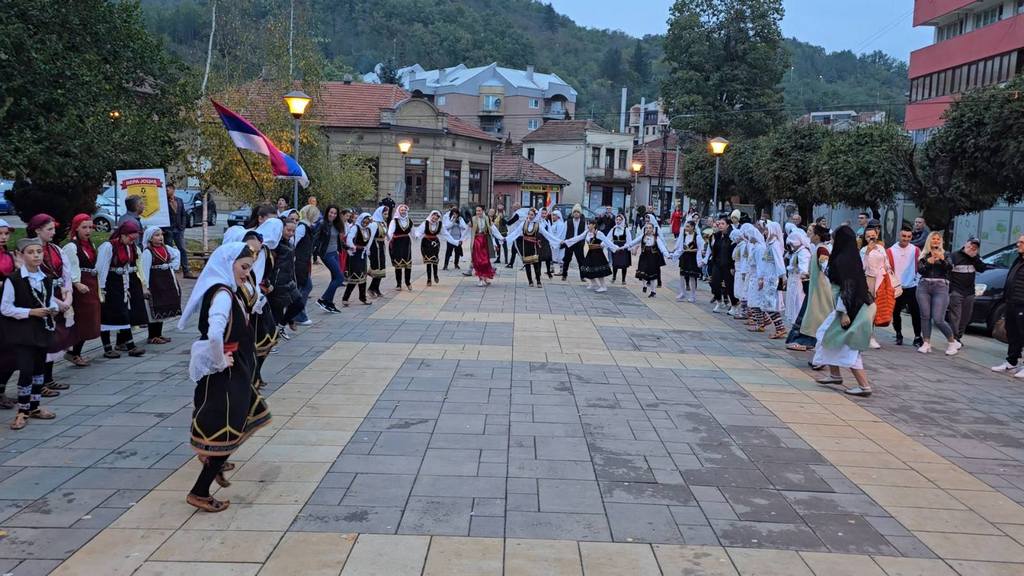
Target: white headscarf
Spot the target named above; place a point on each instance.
(774, 241)
(735, 236)
(271, 231)
(148, 234)
(752, 234)
(4, 224)
(798, 238)
(378, 214)
(353, 230)
(219, 269)
(234, 234)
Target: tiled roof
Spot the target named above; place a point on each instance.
(563, 130)
(652, 158)
(515, 168)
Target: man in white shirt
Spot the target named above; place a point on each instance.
(903, 257)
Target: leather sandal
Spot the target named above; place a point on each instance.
(208, 504)
(42, 414)
(76, 360)
(48, 393)
(136, 352)
(221, 480)
(112, 354)
(6, 403)
(20, 421)
(57, 385)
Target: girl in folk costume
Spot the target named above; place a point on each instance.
(29, 308)
(621, 259)
(44, 227)
(302, 242)
(430, 232)
(80, 257)
(400, 243)
(689, 248)
(8, 359)
(770, 272)
(527, 237)
(556, 229)
(227, 406)
(756, 319)
(546, 253)
(482, 231)
(123, 302)
(845, 333)
(653, 221)
(817, 294)
(653, 255)
(360, 239)
(262, 321)
(377, 263)
(797, 272)
(502, 224)
(594, 266)
(704, 256)
(739, 259)
(285, 298)
(157, 268)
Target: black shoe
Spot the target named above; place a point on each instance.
(645, 288)
(332, 308)
(899, 340)
(508, 266)
(498, 261)
(325, 306)
(445, 269)
(456, 267)
(651, 295)
(918, 342)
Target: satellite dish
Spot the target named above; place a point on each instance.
(497, 102)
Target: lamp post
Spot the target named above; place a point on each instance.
(404, 147)
(297, 101)
(636, 167)
(717, 146)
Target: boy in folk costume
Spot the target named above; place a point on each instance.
(594, 266)
(621, 259)
(359, 240)
(482, 247)
(29, 307)
(376, 260)
(502, 224)
(157, 268)
(80, 257)
(430, 232)
(400, 243)
(123, 302)
(653, 255)
(8, 360)
(689, 248)
(44, 227)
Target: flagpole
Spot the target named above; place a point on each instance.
(253, 176)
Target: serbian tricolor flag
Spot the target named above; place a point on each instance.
(247, 137)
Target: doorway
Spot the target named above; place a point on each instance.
(416, 182)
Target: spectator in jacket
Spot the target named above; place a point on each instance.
(722, 268)
(921, 233)
(1014, 291)
(134, 207)
(933, 293)
(676, 221)
(174, 235)
(966, 263)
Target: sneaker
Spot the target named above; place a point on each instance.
(601, 289)
(899, 340)
(717, 308)
(304, 323)
(332, 308)
(958, 344)
(680, 297)
(918, 341)
(873, 344)
(925, 348)
(325, 306)
(1019, 374)
(732, 310)
(283, 333)
(952, 349)
(692, 299)
(1005, 367)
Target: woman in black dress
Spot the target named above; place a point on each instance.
(376, 261)
(123, 302)
(594, 266)
(269, 235)
(227, 406)
(621, 259)
(430, 232)
(653, 255)
(360, 238)
(689, 247)
(400, 240)
(528, 237)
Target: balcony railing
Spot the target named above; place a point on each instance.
(554, 112)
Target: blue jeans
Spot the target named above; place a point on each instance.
(176, 238)
(304, 290)
(933, 300)
(337, 277)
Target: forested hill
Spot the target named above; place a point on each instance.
(353, 35)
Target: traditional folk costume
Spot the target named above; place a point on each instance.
(377, 263)
(360, 239)
(302, 243)
(816, 303)
(754, 239)
(80, 257)
(157, 268)
(8, 359)
(262, 320)
(228, 408)
(739, 258)
(430, 234)
(454, 232)
(653, 221)
(653, 255)
(285, 299)
(123, 299)
(28, 336)
(556, 230)
(770, 271)
(594, 266)
(546, 253)
(574, 226)
(400, 246)
(483, 232)
(499, 247)
(528, 238)
(64, 334)
(689, 248)
(621, 237)
(798, 272)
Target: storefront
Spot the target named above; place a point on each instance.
(517, 180)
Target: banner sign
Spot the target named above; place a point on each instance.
(148, 184)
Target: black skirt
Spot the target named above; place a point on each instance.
(595, 264)
(401, 252)
(649, 266)
(688, 265)
(355, 269)
(377, 259)
(164, 295)
(120, 310)
(430, 249)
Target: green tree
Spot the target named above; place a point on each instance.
(611, 64)
(86, 90)
(725, 60)
(786, 166)
(864, 167)
(639, 63)
(389, 72)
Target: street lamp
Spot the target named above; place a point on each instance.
(404, 146)
(297, 101)
(717, 146)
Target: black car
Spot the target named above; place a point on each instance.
(238, 217)
(990, 304)
(193, 200)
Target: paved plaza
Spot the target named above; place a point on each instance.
(511, 430)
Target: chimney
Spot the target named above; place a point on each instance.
(347, 79)
(529, 72)
(441, 75)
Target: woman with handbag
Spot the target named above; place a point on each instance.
(876, 265)
(933, 293)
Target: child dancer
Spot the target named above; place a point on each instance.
(688, 249)
(594, 267)
(285, 298)
(400, 241)
(123, 300)
(739, 259)
(157, 268)
(556, 230)
(44, 227)
(265, 328)
(755, 241)
(80, 256)
(360, 237)
(621, 259)
(430, 231)
(652, 257)
(377, 263)
(29, 307)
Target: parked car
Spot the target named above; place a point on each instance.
(193, 201)
(566, 210)
(104, 218)
(238, 217)
(5, 206)
(990, 300)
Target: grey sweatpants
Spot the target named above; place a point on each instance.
(961, 308)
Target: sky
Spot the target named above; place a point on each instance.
(860, 25)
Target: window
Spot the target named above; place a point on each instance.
(951, 30)
(491, 124)
(534, 103)
(478, 183)
(533, 123)
(958, 80)
(622, 159)
(452, 181)
(441, 100)
(492, 102)
(988, 17)
(595, 157)
(530, 154)
(609, 158)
